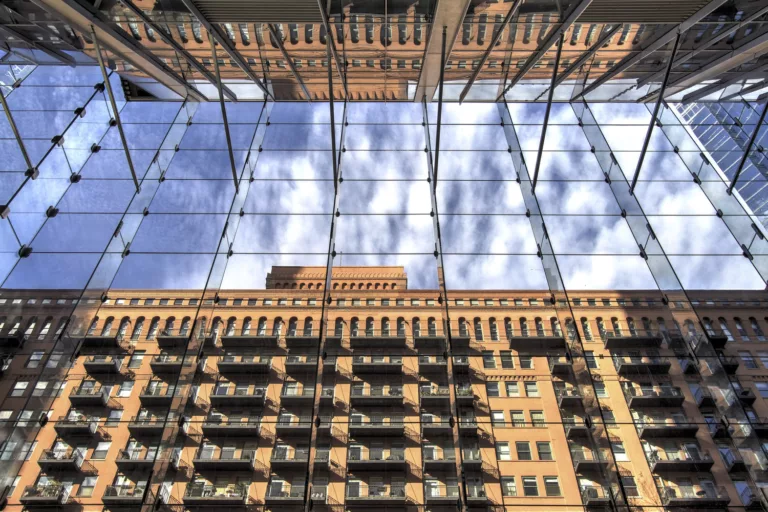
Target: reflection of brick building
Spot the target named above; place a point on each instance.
(229, 399)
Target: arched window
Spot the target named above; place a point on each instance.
(30, 326)
(690, 328)
(463, 328)
(385, 286)
(539, 326)
(616, 326)
(385, 326)
(308, 326)
(354, 327)
(494, 329)
(202, 326)
(154, 325)
(91, 329)
(509, 329)
(632, 327)
(369, 326)
(662, 325)
(376, 287)
(394, 286)
(247, 326)
(301, 286)
(186, 322)
(756, 329)
(724, 328)
(170, 323)
(310, 286)
(601, 328)
(125, 323)
(262, 327)
(2, 323)
(107, 329)
(524, 327)
(368, 286)
(335, 286)
(740, 329)
(231, 326)
(708, 325)
(293, 286)
(647, 326)
(401, 327)
(338, 329)
(137, 328)
(343, 286)
(416, 327)
(277, 327)
(586, 329)
(216, 326)
(59, 327)
(45, 329)
(570, 328)
(292, 326)
(431, 327)
(555, 326)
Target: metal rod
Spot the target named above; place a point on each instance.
(289, 60)
(510, 14)
(16, 133)
(223, 110)
(586, 55)
(439, 106)
(333, 115)
(752, 140)
(655, 113)
(746, 90)
(550, 95)
(51, 52)
(334, 53)
(112, 101)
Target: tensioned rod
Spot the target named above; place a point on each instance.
(223, 110)
(550, 95)
(439, 107)
(752, 140)
(16, 133)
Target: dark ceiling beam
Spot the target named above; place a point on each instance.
(334, 53)
(722, 84)
(289, 61)
(43, 47)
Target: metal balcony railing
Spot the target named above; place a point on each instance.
(394, 392)
(476, 491)
(694, 492)
(124, 491)
(376, 455)
(55, 492)
(393, 360)
(439, 391)
(294, 492)
(441, 491)
(364, 491)
(307, 392)
(671, 392)
(197, 490)
(290, 456)
(158, 391)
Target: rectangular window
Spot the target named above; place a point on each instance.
(512, 389)
(630, 486)
(749, 360)
(86, 487)
(545, 451)
(537, 418)
(523, 450)
(589, 356)
(178, 302)
(400, 302)
(385, 302)
(492, 389)
(474, 302)
(101, 450)
(497, 418)
(508, 486)
(134, 302)
(518, 418)
(530, 487)
(488, 360)
(600, 390)
(19, 388)
(34, 359)
(762, 388)
(526, 363)
(164, 302)
(619, 451)
(136, 358)
(531, 389)
(125, 389)
(551, 486)
(502, 451)
(506, 359)
(370, 302)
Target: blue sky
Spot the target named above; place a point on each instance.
(384, 200)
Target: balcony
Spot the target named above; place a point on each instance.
(596, 496)
(542, 339)
(435, 460)
(247, 338)
(435, 396)
(468, 425)
(286, 496)
(217, 425)
(637, 365)
(136, 459)
(568, 397)
(465, 394)
(695, 497)
(156, 396)
(589, 460)
(717, 338)
(476, 494)
(575, 428)
(376, 495)
(434, 425)
(123, 495)
(12, 340)
(760, 426)
(681, 461)
(688, 366)
(653, 428)
(704, 397)
(166, 363)
(461, 364)
(109, 341)
(298, 396)
(96, 365)
(300, 363)
(223, 397)
(376, 396)
(66, 460)
(229, 460)
(430, 364)
(244, 364)
(82, 426)
(377, 364)
(376, 461)
(660, 397)
(730, 364)
(96, 396)
(471, 458)
(146, 425)
(289, 459)
(432, 338)
(441, 493)
(294, 425)
(203, 494)
(170, 338)
(327, 394)
(49, 495)
(638, 339)
(377, 339)
(733, 460)
(304, 338)
(379, 426)
(560, 365)
(746, 396)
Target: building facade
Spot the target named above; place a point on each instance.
(387, 398)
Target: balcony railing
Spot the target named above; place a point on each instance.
(294, 422)
(363, 492)
(645, 338)
(211, 492)
(694, 496)
(50, 493)
(392, 392)
(596, 495)
(297, 394)
(292, 494)
(289, 456)
(435, 422)
(124, 492)
(103, 364)
(441, 492)
(680, 461)
(658, 397)
(476, 492)
(442, 391)
(230, 395)
(372, 456)
(96, 395)
(377, 425)
(628, 365)
(568, 396)
(664, 427)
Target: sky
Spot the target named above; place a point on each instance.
(199, 232)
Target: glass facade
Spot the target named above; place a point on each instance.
(398, 305)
